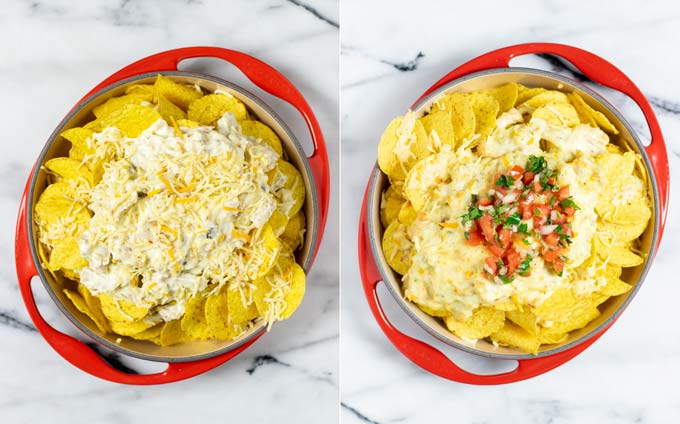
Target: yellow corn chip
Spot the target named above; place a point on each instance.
(294, 232)
(462, 115)
(179, 94)
(66, 255)
(397, 247)
(483, 322)
(238, 312)
(169, 111)
(194, 323)
(260, 131)
(208, 109)
(116, 103)
(513, 335)
(79, 146)
(439, 128)
(505, 95)
(485, 108)
(171, 333)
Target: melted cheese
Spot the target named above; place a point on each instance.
(447, 274)
(174, 212)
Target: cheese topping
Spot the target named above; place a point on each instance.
(447, 273)
(175, 213)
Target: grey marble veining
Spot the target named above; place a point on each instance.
(56, 51)
(393, 51)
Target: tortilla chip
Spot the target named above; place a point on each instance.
(397, 247)
(79, 142)
(70, 169)
(66, 255)
(485, 108)
(462, 115)
(179, 94)
(525, 93)
(131, 120)
(513, 335)
(505, 95)
(402, 144)
(294, 232)
(439, 128)
(260, 131)
(117, 103)
(482, 323)
(208, 109)
(194, 323)
(172, 333)
(294, 184)
(237, 311)
(169, 111)
(95, 308)
(562, 114)
(389, 206)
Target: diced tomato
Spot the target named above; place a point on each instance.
(528, 177)
(513, 261)
(504, 237)
(563, 193)
(495, 248)
(569, 211)
(558, 265)
(538, 187)
(516, 171)
(542, 214)
(552, 239)
(560, 216)
(550, 255)
(484, 201)
(492, 263)
(552, 181)
(526, 210)
(486, 224)
(475, 238)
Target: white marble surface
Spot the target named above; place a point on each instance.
(631, 374)
(55, 51)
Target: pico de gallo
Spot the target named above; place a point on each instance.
(525, 205)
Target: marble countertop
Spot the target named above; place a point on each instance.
(56, 51)
(392, 52)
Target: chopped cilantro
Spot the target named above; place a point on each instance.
(505, 181)
(473, 213)
(547, 175)
(537, 212)
(569, 203)
(536, 164)
(467, 235)
(525, 266)
(506, 279)
(514, 219)
(523, 228)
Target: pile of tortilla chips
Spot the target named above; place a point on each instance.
(464, 120)
(62, 210)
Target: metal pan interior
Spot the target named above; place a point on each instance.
(612, 308)
(57, 146)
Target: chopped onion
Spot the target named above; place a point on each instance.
(509, 198)
(547, 229)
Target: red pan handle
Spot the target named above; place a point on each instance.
(75, 351)
(430, 358)
(598, 70)
(269, 80)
